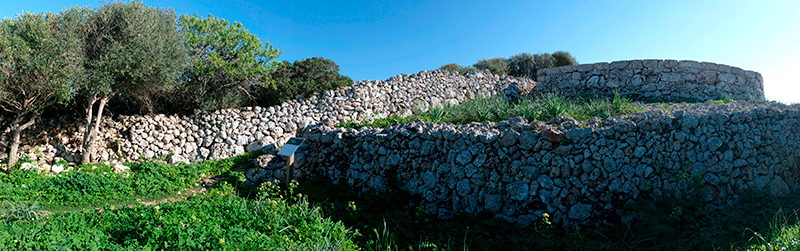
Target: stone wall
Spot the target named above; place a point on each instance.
(670, 80)
(577, 172)
(229, 132)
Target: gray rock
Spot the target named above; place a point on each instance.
(518, 190)
(778, 188)
(493, 202)
(578, 134)
(509, 139)
(639, 152)
(714, 143)
(580, 212)
(464, 157)
(463, 188)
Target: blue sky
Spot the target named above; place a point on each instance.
(377, 39)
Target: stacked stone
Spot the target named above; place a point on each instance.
(577, 172)
(669, 80)
(226, 133)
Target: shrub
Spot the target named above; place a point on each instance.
(563, 58)
(544, 61)
(304, 77)
(497, 66)
(457, 68)
(522, 65)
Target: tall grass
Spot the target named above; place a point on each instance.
(783, 234)
(543, 108)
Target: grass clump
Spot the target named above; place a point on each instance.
(546, 107)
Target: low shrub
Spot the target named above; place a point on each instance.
(497, 66)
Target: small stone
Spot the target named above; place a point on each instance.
(639, 152)
(463, 187)
(57, 168)
(580, 212)
(554, 136)
(518, 190)
(509, 139)
(494, 202)
(464, 157)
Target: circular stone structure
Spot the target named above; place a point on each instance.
(654, 79)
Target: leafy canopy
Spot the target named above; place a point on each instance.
(304, 77)
(226, 61)
(38, 62)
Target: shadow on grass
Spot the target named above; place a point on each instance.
(393, 219)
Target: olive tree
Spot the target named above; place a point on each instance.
(544, 61)
(226, 62)
(522, 65)
(563, 58)
(131, 49)
(39, 62)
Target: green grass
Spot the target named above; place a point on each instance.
(495, 109)
(219, 220)
(97, 184)
(783, 234)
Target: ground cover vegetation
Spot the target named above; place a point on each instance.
(524, 65)
(544, 108)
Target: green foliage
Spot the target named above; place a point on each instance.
(783, 234)
(95, 184)
(497, 66)
(133, 51)
(458, 68)
(304, 77)
(39, 62)
(544, 61)
(563, 58)
(219, 221)
(495, 109)
(225, 63)
(522, 65)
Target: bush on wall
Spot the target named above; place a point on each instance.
(563, 58)
(497, 66)
(303, 77)
(522, 65)
(458, 68)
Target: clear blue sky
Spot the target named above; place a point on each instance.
(376, 40)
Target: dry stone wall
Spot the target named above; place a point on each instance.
(577, 172)
(669, 80)
(227, 133)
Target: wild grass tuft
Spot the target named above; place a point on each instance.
(546, 107)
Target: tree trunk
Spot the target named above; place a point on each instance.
(91, 133)
(16, 130)
(89, 111)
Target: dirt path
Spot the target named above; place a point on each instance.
(205, 185)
